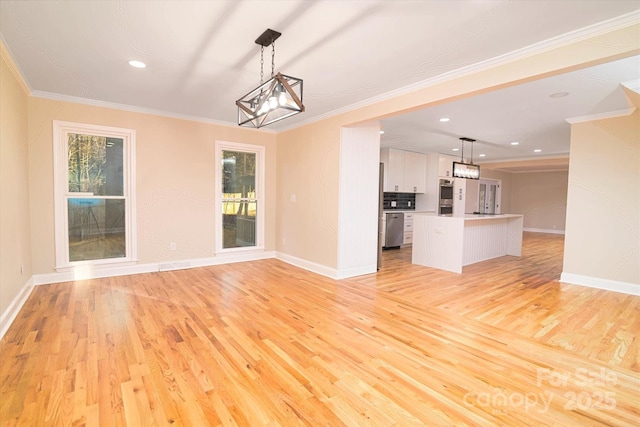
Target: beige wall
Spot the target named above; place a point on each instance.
(15, 233)
(174, 179)
(603, 207)
(542, 198)
(308, 168)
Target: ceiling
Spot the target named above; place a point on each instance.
(201, 57)
(533, 115)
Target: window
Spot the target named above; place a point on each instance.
(94, 200)
(240, 198)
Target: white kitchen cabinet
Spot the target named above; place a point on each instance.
(404, 171)
(471, 194)
(408, 239)
(445, 165)
(415, 172)
(459, 196)
(408, 229)
(393, 170)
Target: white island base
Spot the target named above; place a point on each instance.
(451, 242)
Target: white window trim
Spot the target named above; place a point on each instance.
(260, 196)
(60, 181)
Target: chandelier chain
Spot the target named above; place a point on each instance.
(261, 63)
(273, 58)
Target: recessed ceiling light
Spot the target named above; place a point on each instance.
(455, 149)
(559, 95)
(137, 64)
(537, 150)
(445, 119)
(481, 155)
(515, 143)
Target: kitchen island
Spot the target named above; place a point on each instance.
(451, 242)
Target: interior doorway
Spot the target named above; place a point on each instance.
(489, 195)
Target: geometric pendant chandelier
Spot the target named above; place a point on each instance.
(276, 99)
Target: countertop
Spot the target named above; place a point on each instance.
(405, 211)
(472, 217)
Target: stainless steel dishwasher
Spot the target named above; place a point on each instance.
(394, 232)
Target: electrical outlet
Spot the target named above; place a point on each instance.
(172, 246)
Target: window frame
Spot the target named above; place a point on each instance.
(61, 130)
(259, 151)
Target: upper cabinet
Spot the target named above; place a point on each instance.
(393, 170)
(415, 172)
(445, 165)
(404, 171)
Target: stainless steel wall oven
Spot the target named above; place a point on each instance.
(445, 197)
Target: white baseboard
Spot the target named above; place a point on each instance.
(232, 257)
(598, 283)
(323, 270)
(345, 273)
(10, 314)
(543, 230)
(92, 272)
(313, 267)
(97, 272)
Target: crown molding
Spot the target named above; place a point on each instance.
(633, 85)
(620, 22)
(134, 109)
(600, 116)
(7, 56)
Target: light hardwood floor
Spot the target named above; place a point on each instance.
(265, 343)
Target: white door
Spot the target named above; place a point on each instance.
(490, 207)
(489, 197)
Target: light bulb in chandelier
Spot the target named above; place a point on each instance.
(273, 102)
(278, 92)
(253, 105)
